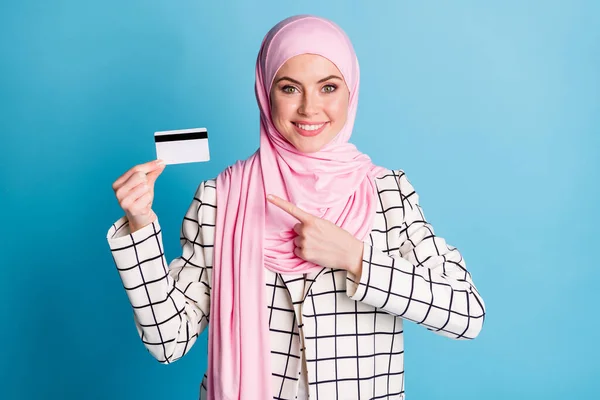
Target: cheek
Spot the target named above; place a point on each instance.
(274, 108)
(282, 109)
(337, 109)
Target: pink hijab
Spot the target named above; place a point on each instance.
(335, 183)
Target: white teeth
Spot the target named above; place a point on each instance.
(309, 127)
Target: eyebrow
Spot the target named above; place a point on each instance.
(287, 78)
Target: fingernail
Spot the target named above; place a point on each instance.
(270, 197)
(160, 162)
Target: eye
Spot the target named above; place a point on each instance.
(289, 89)
(329, 88)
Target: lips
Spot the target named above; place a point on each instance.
(309, 129)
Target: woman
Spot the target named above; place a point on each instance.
(305, 257)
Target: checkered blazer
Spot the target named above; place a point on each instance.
(347, 337)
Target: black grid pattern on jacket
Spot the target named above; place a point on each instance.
(348, 335)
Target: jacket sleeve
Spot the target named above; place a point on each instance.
(170, 302)
(424, 280)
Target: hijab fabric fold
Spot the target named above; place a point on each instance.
(335, 183)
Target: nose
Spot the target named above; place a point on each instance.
(309, 105)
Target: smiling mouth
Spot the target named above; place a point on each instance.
(310, 129)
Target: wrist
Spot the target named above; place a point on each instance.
(354, 264)
(141, 221)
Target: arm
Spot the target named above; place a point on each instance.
(424, 280)
(170, 303)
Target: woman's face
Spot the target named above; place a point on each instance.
(309, 102)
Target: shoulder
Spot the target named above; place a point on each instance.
(394, 186)
(387, 181)
(206, 193)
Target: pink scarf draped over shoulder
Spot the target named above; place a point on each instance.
(335, 183)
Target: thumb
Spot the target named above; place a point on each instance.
(152, 176)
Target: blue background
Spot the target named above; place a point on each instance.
(491, 108)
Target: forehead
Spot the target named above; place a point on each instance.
(308, 66)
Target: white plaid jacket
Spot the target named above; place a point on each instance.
(348, 336)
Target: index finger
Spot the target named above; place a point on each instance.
(290, 208)
(145, 168)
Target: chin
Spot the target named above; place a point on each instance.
(308, 145)
(312, 144)
(309, 148)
